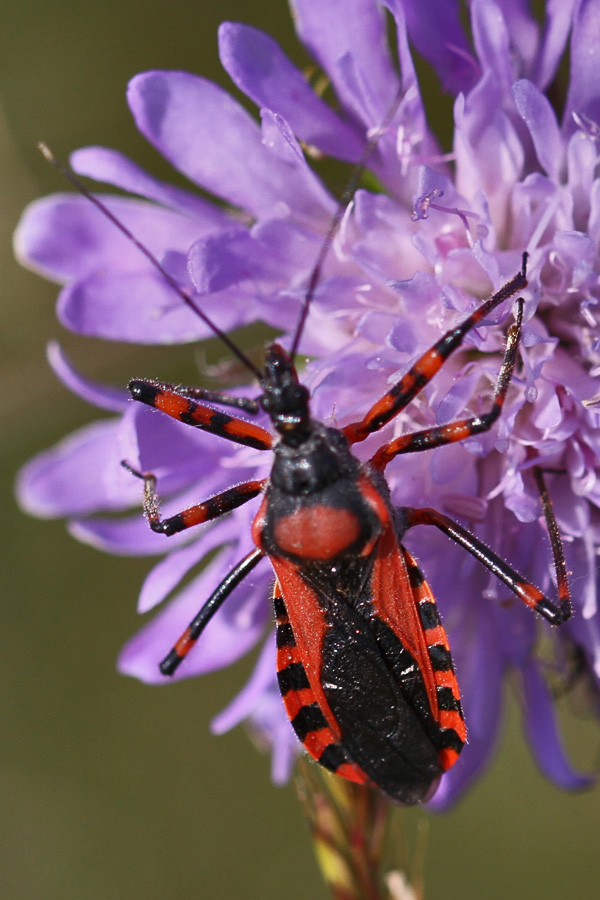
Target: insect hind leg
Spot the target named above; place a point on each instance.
(189, 637)
(558, 554)
(554, 613)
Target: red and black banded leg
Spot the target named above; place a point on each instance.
(401, 394)
(187, 640)
(221, 398)
(556, 614)
(180, 406)
(463, 428)
(201, 512)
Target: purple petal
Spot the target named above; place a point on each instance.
(294, 248)
(581, 169)
(264, 73)
(140, 307)
(166, 575)
(522, 27)
(489, 154)
(100, 395)
(70, 478)
(349, 41)
(583, 95)
(538, 115)
(584, 629)
(242, 706)
(271, 256)
(557, 24)
(410, 83)
(464, 506)
(228, 258)
(125, 536)
(64, 236)
(259, 704)
(270, 719)
(492, 42)
(384, 246)
(279, 138)
(209, 137)
(455, 401)
(548, 413)
(542, 732)
(525, 507)
(444, 46)
(572, 512)
(594, 221)
(112, 167)
(163, 445)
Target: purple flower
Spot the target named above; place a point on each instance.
(407, 263)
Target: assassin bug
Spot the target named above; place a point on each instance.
(363, 661)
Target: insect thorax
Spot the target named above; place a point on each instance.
(315, 506)
(314, 465)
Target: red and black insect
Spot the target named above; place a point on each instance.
(363, 661)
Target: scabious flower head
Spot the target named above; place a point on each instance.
(406, 264)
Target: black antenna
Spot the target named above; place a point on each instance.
(334, 224)
(315, 275)
(70, 176)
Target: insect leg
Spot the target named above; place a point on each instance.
(556, 544)
(194, 515)
(219, 397)
(401, 394)
(556, 614)
(463, 428)
(187, 640)
(180, 406)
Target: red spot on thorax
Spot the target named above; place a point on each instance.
(317, 532)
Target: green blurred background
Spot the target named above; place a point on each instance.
(111, 790)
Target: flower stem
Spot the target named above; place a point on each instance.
(350, 826)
